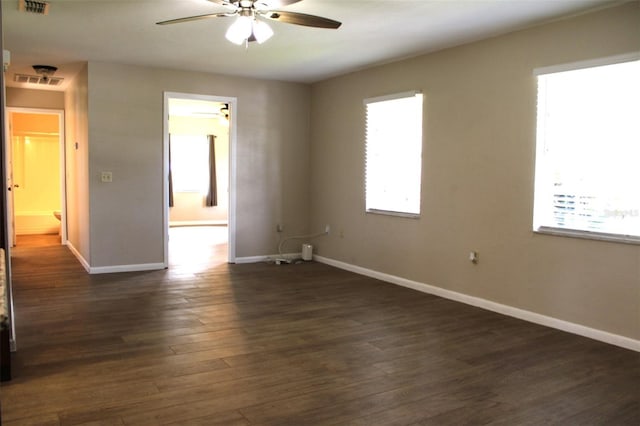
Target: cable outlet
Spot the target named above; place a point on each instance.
(327, 228)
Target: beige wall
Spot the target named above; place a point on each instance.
(74, 102)
(190, 207)
(125, 137)
(28, 98)
(478, 173)
(77, 163)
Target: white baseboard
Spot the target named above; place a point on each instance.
(111, 269)
(268, 258)
(79, 256)
(581, 330)
(126, 268)
(178, 223)
(253, 259)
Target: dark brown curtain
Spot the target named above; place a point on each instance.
(212, 194)
(170, 177)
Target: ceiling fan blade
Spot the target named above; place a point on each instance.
(195, 18)
(301, 19)
(260, 4)
(272, 4)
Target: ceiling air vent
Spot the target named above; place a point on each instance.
(40, 7)
(36, 79)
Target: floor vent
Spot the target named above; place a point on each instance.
(37, 79)
(40, 7)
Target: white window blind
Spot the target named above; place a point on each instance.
(393, 156)
(588, 152)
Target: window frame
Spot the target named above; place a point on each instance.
(540, 176)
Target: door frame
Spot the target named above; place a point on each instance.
(11, 234)
(231, 215)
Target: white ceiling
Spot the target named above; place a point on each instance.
(372, 32)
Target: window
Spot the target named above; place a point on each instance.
(588, 152)
(393, 154)
(190, 163)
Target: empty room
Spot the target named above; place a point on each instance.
(312, 212)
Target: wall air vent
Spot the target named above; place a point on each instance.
(40, 7)
(37, 79)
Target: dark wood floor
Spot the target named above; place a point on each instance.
(289, 345)
(38, 240)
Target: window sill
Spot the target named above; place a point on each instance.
(598, 236)
(390, 213)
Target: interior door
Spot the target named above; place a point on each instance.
(11, 228)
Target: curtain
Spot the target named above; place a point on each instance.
(212, 194)
(170, 177)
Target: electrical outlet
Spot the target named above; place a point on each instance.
(327, 228)
(279, 227)
(106, 177)
(473, 256)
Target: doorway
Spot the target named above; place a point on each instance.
(36, 178)
(199, 159)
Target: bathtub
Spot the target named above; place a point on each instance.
(43, 222)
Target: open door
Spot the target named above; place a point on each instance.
(10, 217)
(7, 327)
(35, 167)
(180, 103)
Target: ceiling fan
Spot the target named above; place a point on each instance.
(248, 27)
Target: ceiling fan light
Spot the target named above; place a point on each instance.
(261, 31)
(240, 30)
